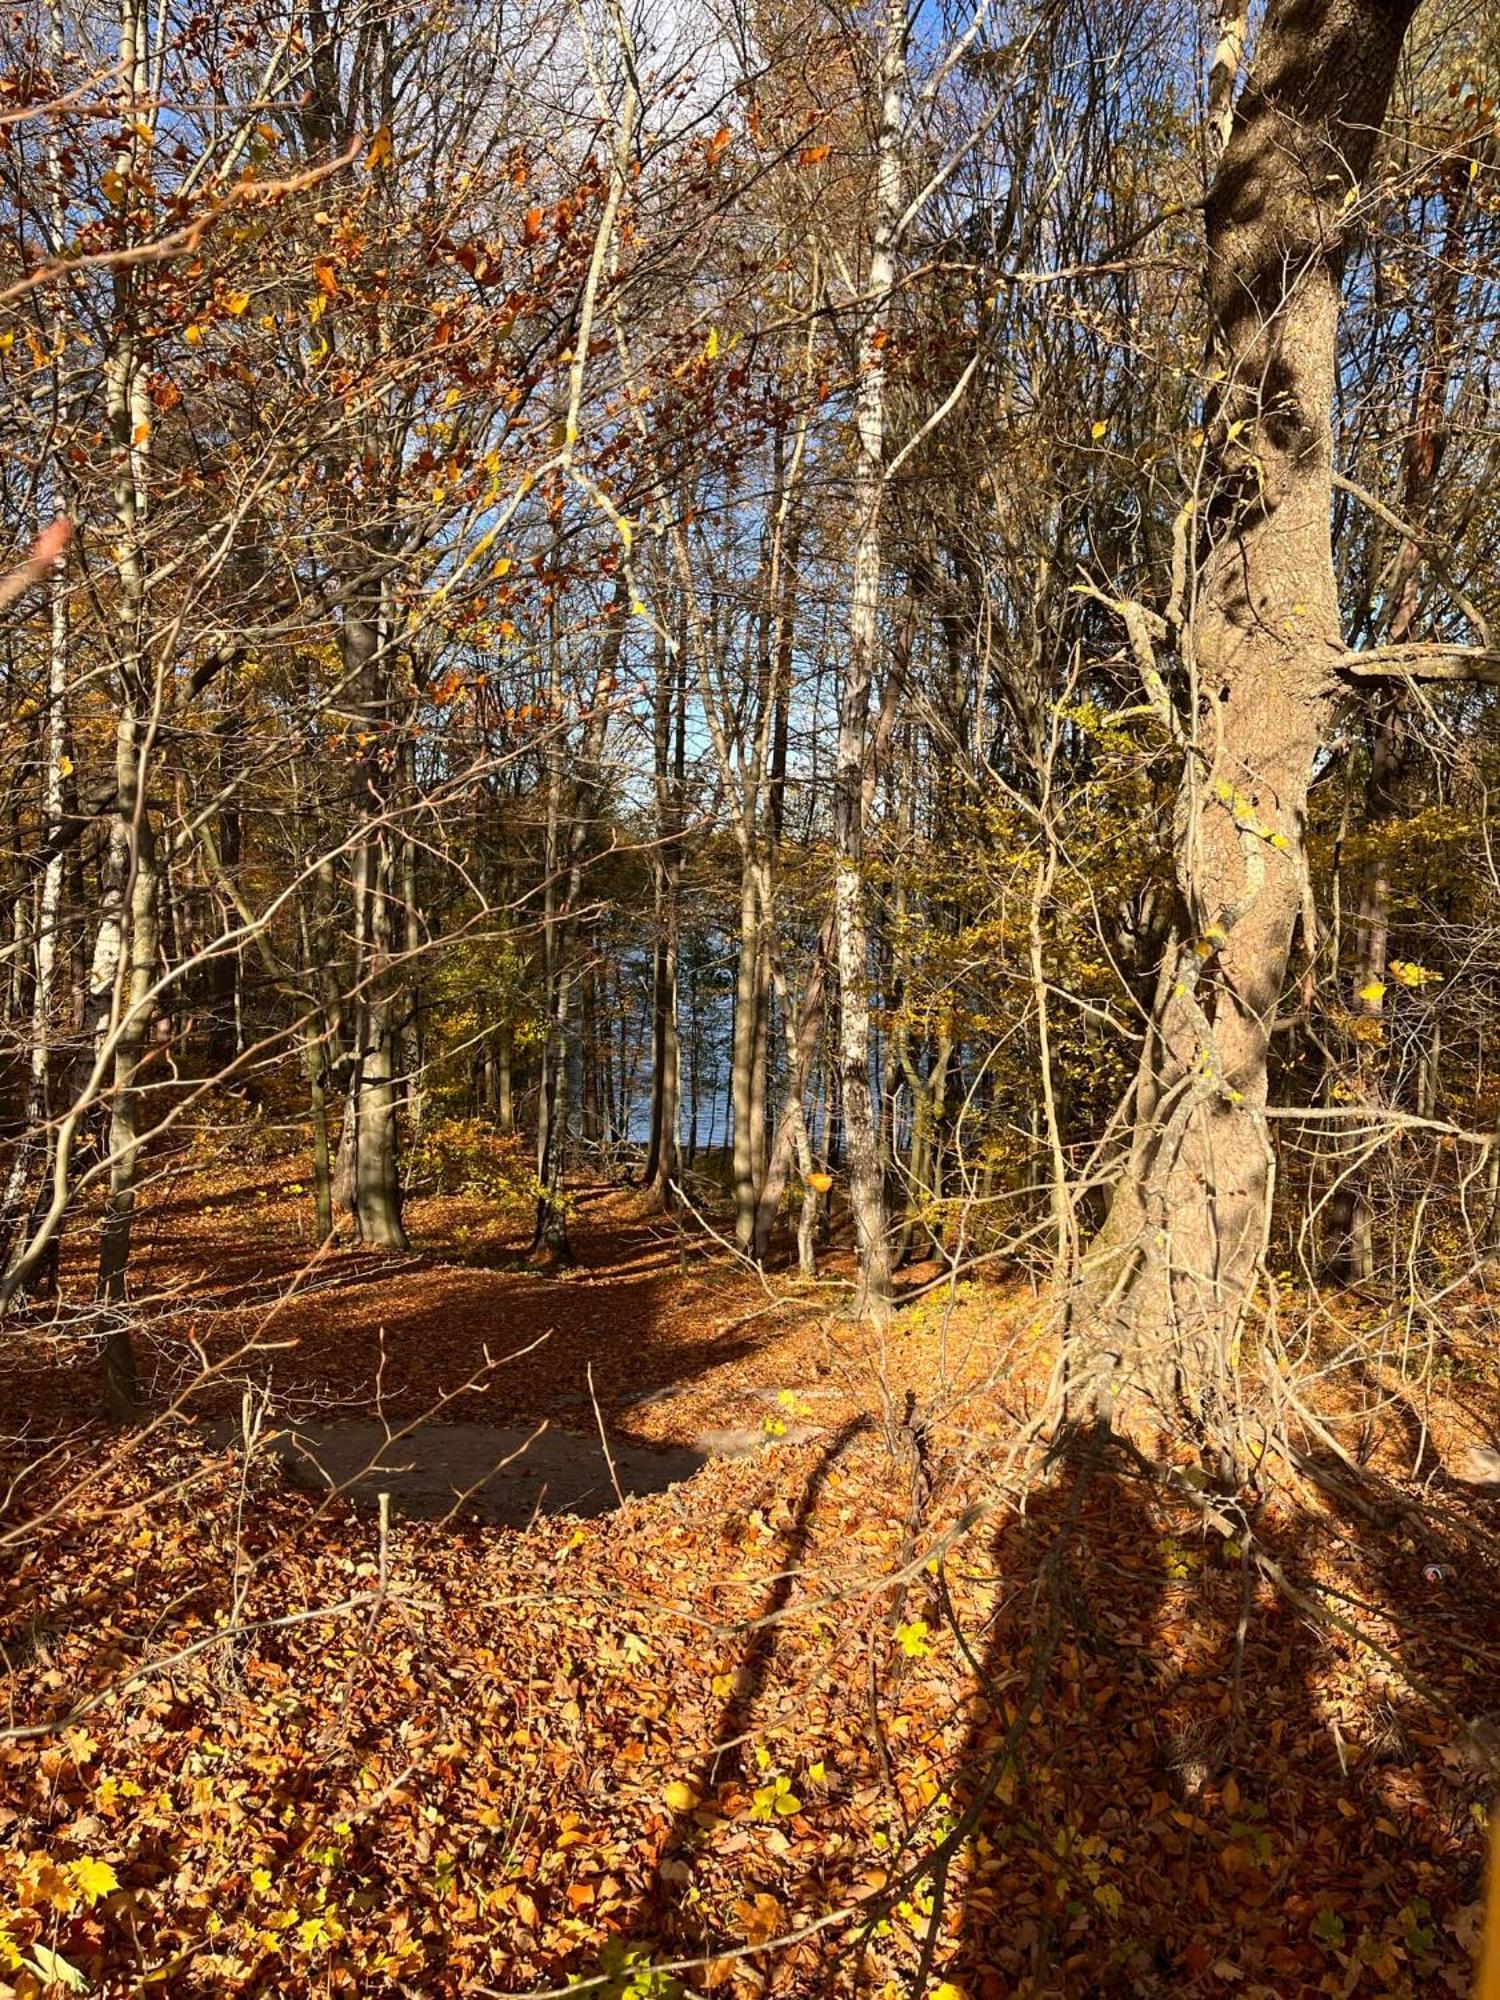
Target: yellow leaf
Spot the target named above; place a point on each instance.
(1100, 427)
(1373, 992)
(192, 335)
(914, 1639)
(236, 302)
(503, 567)
(1407, 974)
(65, 766)
(679, 1796)
(94, 1878)
(711, 345)
(380, 149)
(947, 1990)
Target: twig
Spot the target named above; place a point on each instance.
(614, 1477)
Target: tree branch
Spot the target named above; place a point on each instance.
(1476, 664)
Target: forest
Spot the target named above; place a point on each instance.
(749, 998)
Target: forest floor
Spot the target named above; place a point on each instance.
(848, 1705)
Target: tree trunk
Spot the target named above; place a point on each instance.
(742, 1066)
(560, 923)
(1349, 1233)
(860, 1122)
(38, 1144)
(504, 1060)
(125, 960)
(792, 1139)
(1169, 1279)
(369, 1176)
(224, 968)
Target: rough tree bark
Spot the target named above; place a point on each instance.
(368, 1178)
(1168, 1281)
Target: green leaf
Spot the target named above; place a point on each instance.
(56, 1970)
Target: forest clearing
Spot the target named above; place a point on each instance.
(749, 999)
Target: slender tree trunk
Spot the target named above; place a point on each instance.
(224, 967)
(505, 1103)
(38, 1145)
(125, 955)
(125, 1118)
(591, 1124)
(560, 924)
(793, 1138)
(860, 1119)
(1349, 1222)
(742, 1057)
(368, 1178)
(412, 1039)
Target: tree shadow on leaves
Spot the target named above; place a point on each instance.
(1188, 1773)
(728, 1758)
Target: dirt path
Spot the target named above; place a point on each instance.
(665, 1332)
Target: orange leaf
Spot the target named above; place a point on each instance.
(810, 155)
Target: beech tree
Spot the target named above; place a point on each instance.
(1258, 619)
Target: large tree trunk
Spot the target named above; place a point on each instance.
(1169, 1279)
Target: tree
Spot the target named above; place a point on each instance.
(1169, 1279)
